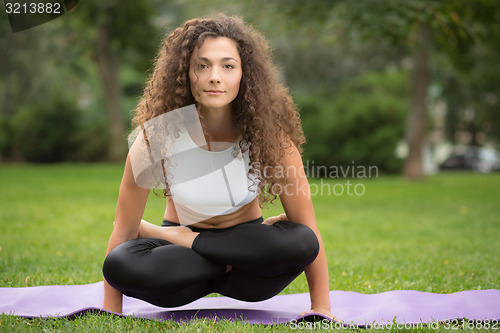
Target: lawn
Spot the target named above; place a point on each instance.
(438, 235)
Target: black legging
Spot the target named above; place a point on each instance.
(264, 260)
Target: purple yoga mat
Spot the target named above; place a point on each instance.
(403, 306)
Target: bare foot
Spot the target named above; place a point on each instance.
(147, 229)
(273, 219)
(176, 235)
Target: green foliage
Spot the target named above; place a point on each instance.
(92, 141)
(5, 135)
(45, 132)
(131, 27)
(454, 24)
(470, 82)
(361, 122)
(320, 46)
(466, 34)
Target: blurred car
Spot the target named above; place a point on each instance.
(472, 158)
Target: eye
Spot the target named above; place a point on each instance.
(228, 66)
(202, 66)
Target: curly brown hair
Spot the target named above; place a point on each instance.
(263, 110)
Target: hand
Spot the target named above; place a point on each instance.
(324, 312)
(273, 219)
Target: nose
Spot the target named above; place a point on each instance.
(214, 75)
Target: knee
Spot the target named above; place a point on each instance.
(115, 266)
(299, 243)
(122, 266)
(307, 243)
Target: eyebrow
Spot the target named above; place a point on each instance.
(223, 59)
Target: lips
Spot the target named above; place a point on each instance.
(214, 92)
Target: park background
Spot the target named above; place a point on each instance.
(391, 84)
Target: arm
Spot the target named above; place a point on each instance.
(129, 210)
(297, 203)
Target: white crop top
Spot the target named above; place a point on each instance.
(206, 183)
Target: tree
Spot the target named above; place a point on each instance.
(450, 27)
(470, 83)
(361, 124)
(120, 31)
(416, 120)
(37, 122)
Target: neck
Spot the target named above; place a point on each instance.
(219, 123)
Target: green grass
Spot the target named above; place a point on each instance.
(439, 235)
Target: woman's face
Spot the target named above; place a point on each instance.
(215, 72)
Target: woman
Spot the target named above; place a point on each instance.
(224, 68)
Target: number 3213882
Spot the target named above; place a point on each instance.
(33, 8)
(456, 324)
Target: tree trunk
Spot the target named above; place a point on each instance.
(108, 69)
(416, 123)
